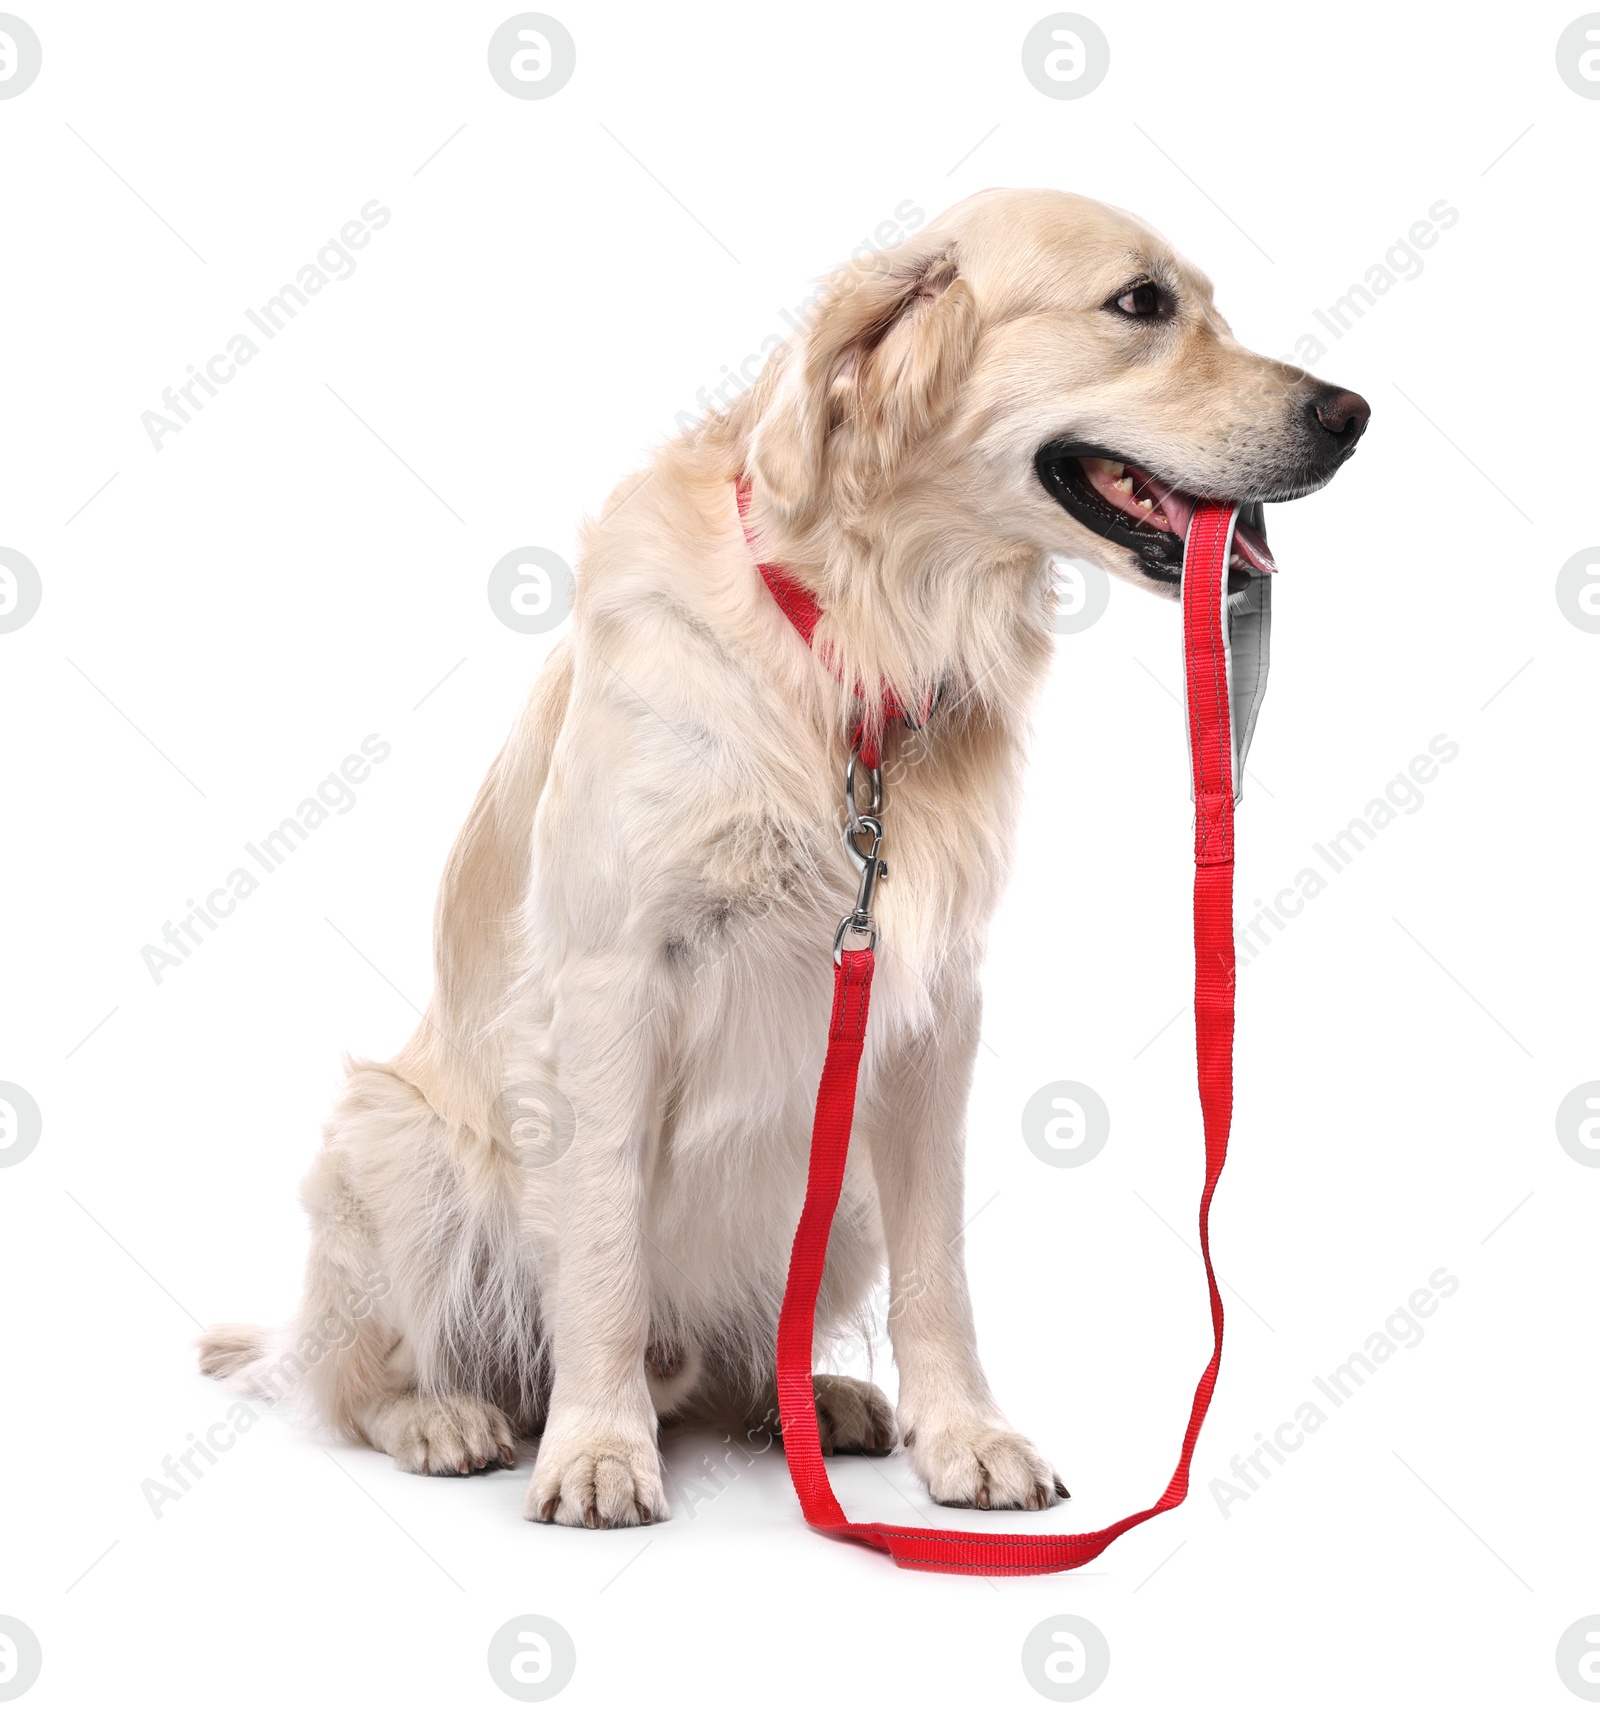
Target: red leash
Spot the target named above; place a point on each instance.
(1211, 751)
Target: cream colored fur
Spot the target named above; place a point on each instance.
(638, 914)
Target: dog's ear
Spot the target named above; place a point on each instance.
(877, 370)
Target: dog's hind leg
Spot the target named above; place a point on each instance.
(364, 1317)
(442, 1435)
(361, 1370)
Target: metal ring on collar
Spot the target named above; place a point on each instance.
(875, 779)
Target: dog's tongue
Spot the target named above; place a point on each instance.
(1253, 546)
(1250, 543)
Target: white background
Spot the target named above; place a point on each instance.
(230, 616)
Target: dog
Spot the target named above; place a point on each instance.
(565, 1209)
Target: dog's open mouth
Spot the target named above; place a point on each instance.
(1129, 505)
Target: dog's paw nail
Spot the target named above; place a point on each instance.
(983, 1495)
(1038, 1499)
(508, 1456)
(1063, 1491)
(591, 1518)
(464, 1467)
(548, 1511)
(909, 1440)
(645, 1515)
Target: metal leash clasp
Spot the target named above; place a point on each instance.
(862, 824)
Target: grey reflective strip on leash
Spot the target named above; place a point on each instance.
(1248, 639)
(1249, 656)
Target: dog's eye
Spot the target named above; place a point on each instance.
(1144, 300)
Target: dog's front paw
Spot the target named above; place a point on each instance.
(598, 1480)
(983, 1465)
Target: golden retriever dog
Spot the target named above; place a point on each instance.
(565, 1209)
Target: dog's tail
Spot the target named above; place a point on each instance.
(250, 1357)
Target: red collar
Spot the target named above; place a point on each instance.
(803, 611)
(799, 605)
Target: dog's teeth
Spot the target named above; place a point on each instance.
(1126, 485)
(1147, 505)
(1109, 467)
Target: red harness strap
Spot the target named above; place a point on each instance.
(1210, 742)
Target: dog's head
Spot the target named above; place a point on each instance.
(1043, 368)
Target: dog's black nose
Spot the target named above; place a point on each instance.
(1342, 413)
